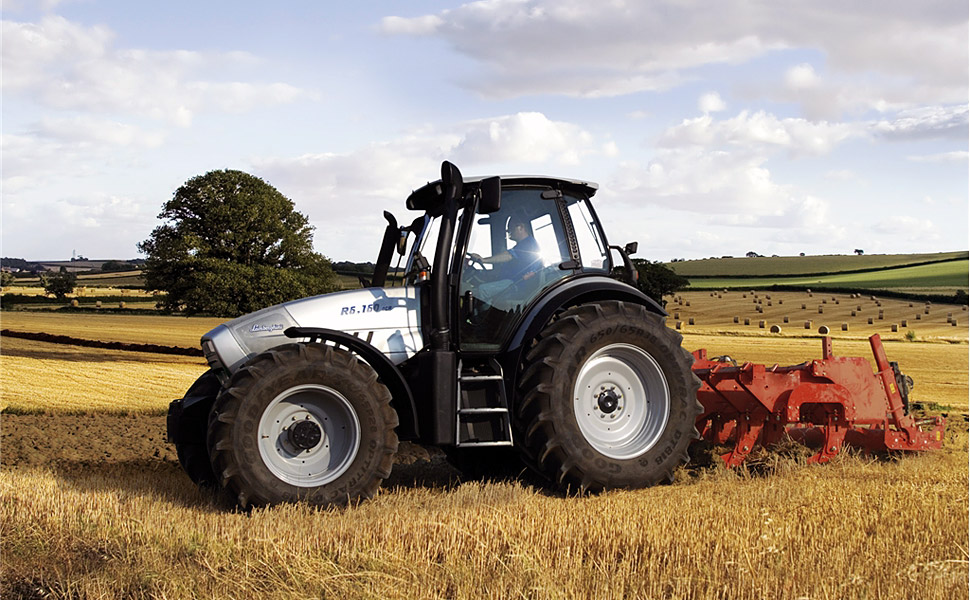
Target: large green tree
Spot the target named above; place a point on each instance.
(657, 280)
(230, 244)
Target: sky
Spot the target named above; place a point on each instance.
(712, 128)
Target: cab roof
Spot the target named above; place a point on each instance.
(427, 196)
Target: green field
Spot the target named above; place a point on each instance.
(940, 278)
(805, 265)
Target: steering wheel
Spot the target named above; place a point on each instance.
(475, 262)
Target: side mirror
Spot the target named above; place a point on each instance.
(491, 195)
(630, 248)
(402, 241)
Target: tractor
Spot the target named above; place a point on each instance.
(507, 334)
(543, 347)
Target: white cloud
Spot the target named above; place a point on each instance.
(760, 129)
(958, 156)
(87, 130)
(522, 138)
(357, 186)
(67, 66)
(711, 102)
(802, 77)
(425, 25)
(927, 122)
(908, 53)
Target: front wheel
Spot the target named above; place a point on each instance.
(608, 399)
(303, 422)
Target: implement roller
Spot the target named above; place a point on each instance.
(823, 403)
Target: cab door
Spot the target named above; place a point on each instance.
(524, 249)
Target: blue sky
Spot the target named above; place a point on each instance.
(712, 128)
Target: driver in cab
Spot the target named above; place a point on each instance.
(518, 263)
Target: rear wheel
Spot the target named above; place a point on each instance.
(608, 399)
(303, 422)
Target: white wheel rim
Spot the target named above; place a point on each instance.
(621, 401)
(339, 435)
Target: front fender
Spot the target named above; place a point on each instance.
(390, 375)
(188, 417)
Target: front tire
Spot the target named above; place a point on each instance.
(608, 399)
(303, 422)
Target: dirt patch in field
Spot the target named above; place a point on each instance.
(60, 440)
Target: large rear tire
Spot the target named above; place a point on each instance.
(608, 399)
(303, 422)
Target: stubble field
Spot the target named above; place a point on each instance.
(94, 505)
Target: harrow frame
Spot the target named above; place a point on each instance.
(825, 403)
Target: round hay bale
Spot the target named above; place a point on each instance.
(747, 321)
(904, 323)
(808, 324)
(690, 321)
(919, 317)
(845, 326)
(870, 320)
(824, 301)
(780, 301)
(121, 304)
(894, 328)
(804, 306)
(927, 311)
(97, 304)
(762, 324)
(75, 303)
(775, 329)
(880, 315)
(680, 325)
(819, 309)
(784, 319)
(852, 313)
(688, 303)
(824, 330)
(676, 315)
(954, 323)
(737, 319)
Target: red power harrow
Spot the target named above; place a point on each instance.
(825, 403)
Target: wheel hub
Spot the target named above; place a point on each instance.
(608, 401)
(621, 401)
(304, 434)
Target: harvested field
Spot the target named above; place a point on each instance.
(93, 504)
(139, 329)
(40, 376)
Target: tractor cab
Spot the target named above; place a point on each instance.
(513, 238)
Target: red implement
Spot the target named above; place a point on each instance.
(827, 403)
